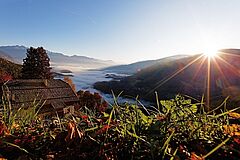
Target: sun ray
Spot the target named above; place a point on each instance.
(233, 68)
(216, 63)
(230, 54)
(214, 70)
(200, 66)
(210, 59)
(173, 75)
(208, 82)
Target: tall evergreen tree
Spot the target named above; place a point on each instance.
(36, 65)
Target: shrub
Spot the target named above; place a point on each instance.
(93, 101)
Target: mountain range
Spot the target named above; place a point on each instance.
(138, 66)
(186, 75)
(58, 60)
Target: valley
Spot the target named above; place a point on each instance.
(181, 74)
(119, 80)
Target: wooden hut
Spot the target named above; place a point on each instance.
(54, 95)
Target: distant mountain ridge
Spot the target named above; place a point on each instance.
(17, 53)
(138, 66)
(6, 56)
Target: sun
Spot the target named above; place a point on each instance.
(210, 52)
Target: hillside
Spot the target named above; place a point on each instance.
(6, 56)
(138, 66)
(192, 80)
(8, 67)
(58, 60)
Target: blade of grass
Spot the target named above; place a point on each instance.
(14, 145)
(174, 154)
(222, 114)
(158, 105)
(216, 148)
(167, 141)
(224, 102)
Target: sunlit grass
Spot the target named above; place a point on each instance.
(130, 131)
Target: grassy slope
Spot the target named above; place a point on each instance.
(10, 68)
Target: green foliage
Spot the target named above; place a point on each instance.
(174, 130)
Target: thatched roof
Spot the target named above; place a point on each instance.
(54, 92)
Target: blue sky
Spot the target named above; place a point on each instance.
(121, 30)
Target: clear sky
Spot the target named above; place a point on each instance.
(121, 30)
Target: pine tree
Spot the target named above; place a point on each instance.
(36, 65)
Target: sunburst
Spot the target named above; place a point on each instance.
(210, 52)
(212, 58)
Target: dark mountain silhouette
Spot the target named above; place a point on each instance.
(18, 53)
(138, 66)
(187, 75)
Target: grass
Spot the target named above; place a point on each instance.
(20, 117)
(178, 128)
